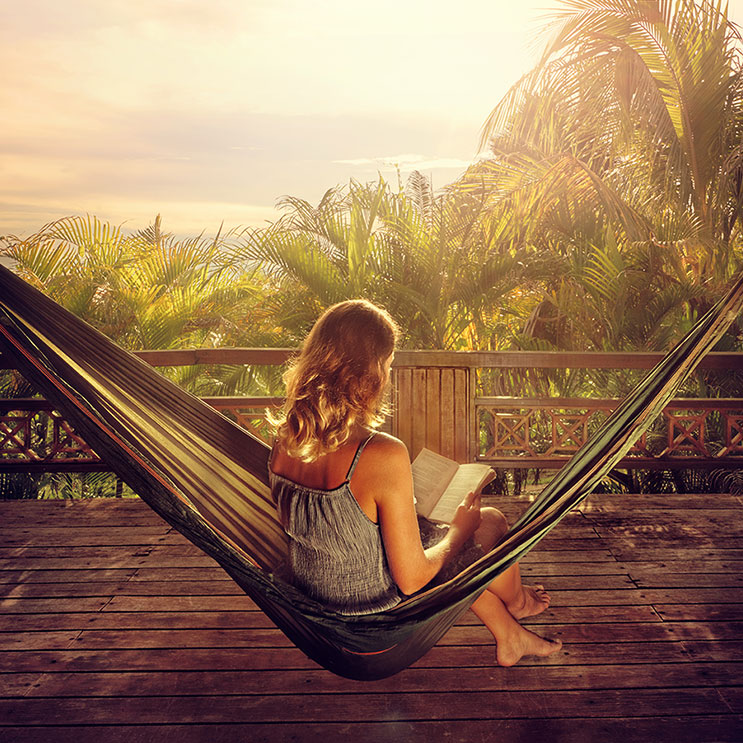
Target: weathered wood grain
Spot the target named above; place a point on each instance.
(112, 626)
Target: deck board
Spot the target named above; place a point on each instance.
(112, 626)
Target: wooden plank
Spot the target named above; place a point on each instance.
(189, 574)
(37, 640)
(733, 697)
(418, 412)
(721, 728)
(16, 684)
(554, 359)
(460, 635)
(68, 576)
(419, 680)
(700, 612)
(283, 655)
(714, 545)
(675, 532)
(119, 536)
(626, 552)
(80, 620)
(121, 588)
(403, 414)
(507, 402)
(553, 556)
(63, 620)
(447, 413)
(85, 563)
(539, 571)
(640, 597)
(472, 634)
(433, 410)
(724, 520)
(462, 424)
(687, 567)
(76, 505)
(714, 650)
(113, 639)
(51, 508)
(52, 552)
(653, 579)
(628, 504)
(86, 520)
(352, 707)
(24, 606)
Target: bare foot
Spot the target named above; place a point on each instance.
(534, 600)
(510, 652)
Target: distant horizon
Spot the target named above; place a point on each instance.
(209, 115)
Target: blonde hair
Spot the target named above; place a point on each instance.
(338, 380)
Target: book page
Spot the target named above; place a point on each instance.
(431, 475)
(467, 479)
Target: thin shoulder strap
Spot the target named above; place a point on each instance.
(270, 454)
(356, 456)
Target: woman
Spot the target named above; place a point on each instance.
(345, 492)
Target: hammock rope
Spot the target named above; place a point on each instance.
(208, 477)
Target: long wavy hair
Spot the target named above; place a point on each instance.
(338, 380)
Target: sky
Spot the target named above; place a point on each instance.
(209, 112)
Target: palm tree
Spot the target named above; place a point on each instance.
(621, 153)
(150, 290)
(426, 257)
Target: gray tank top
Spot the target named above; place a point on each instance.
(336, 554)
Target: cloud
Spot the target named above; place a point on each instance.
(409, 161)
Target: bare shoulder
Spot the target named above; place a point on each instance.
(386, 447)
(385, 460)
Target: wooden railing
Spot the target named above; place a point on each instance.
(439, 402)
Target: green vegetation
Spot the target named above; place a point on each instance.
(608, 215)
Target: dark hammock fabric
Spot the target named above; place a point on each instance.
(208, 477)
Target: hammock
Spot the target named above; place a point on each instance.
(207, 477)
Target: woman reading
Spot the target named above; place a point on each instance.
(344, 491)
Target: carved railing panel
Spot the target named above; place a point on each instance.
(34, 436)
(15, 435)
(545, 432)
(435, 405)
(733, 435)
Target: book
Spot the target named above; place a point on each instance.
(440, 484)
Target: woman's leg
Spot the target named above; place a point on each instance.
(513, 641)
(520, 600)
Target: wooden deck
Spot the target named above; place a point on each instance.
(114, 628)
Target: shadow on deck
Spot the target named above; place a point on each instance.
(113, 627)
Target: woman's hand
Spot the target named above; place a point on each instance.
(467, 516)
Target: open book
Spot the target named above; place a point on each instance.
(440, 484)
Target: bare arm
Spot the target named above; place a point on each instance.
(389, 480)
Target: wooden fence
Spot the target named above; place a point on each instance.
(440, 402)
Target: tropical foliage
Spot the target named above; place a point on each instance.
(621, 153)
(607, 214)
